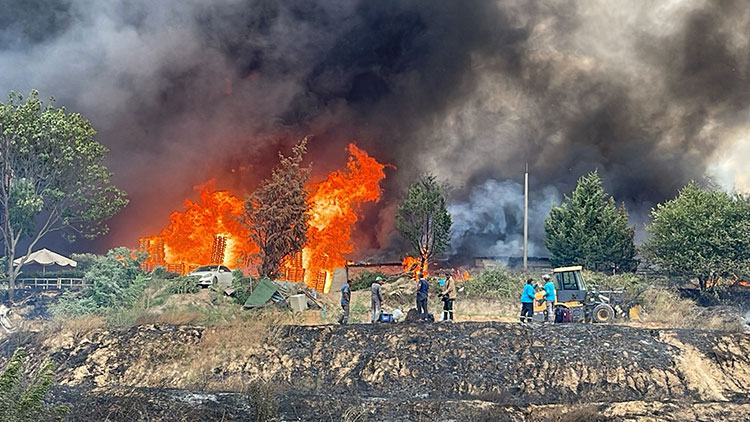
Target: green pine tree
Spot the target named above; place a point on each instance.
(588, 229)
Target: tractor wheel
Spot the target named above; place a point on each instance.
(603, 313)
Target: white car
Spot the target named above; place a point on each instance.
(211, 275)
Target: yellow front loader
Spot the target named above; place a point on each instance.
(585, 305)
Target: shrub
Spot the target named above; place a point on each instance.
(183, 285)
(242, 287)
(496, 283)
(263, 401)
(118, 282)
(21, 395)
(365, 278)
(162, 273)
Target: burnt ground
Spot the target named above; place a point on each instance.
(463, 371)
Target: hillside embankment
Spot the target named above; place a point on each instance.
(463, 371)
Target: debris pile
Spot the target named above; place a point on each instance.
(282, 293)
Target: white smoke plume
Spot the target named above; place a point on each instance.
(487, 223)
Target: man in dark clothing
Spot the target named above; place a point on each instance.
(527, 301)
(346, 298)
(376, 299)
(422, 289)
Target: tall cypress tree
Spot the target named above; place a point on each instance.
(277, 213)
(588, 229)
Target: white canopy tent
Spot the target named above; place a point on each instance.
(46, 257)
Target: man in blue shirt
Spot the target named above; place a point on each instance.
(549, 297)
(346, 298)
(527, 301)
(422, 289)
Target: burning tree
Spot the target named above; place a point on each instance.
(53, 179)
(424, 220)
(277, 213)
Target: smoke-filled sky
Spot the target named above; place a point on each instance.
(653, 94)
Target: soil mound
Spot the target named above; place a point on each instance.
(419, 371)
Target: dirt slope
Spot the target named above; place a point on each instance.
(478, 371)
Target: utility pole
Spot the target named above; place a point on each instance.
(526, 218)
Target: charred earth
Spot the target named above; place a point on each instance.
(463, 371)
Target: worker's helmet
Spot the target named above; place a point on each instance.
(378, 278)
(546, 277)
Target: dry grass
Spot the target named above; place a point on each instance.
(582, 413)
(74, 328)
(666, 309)
(172, 317)
(480, 309)
(228, 344)
(354, 414)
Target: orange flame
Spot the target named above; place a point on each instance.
(461, 274)
(733, 282)
(209, 231)
(334, 203)
(206, 232)
(412, 265)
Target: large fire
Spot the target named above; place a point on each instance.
(209, 231)
(334, 203)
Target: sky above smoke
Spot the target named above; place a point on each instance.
(653, 94)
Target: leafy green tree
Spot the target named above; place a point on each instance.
(424, 220)
(51, 177)
(277, 213)
(702, 233)
(588, 229)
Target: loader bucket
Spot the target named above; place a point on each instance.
(635, 313)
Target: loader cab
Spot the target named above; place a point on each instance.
(569, 284)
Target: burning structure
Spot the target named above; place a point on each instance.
(210, 231)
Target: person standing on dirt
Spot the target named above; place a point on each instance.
(527, 301)
(422, 292)
(549, 297)
(346, 298)
(376, 299)
(449, 296)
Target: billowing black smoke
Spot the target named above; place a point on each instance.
(653, 95)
